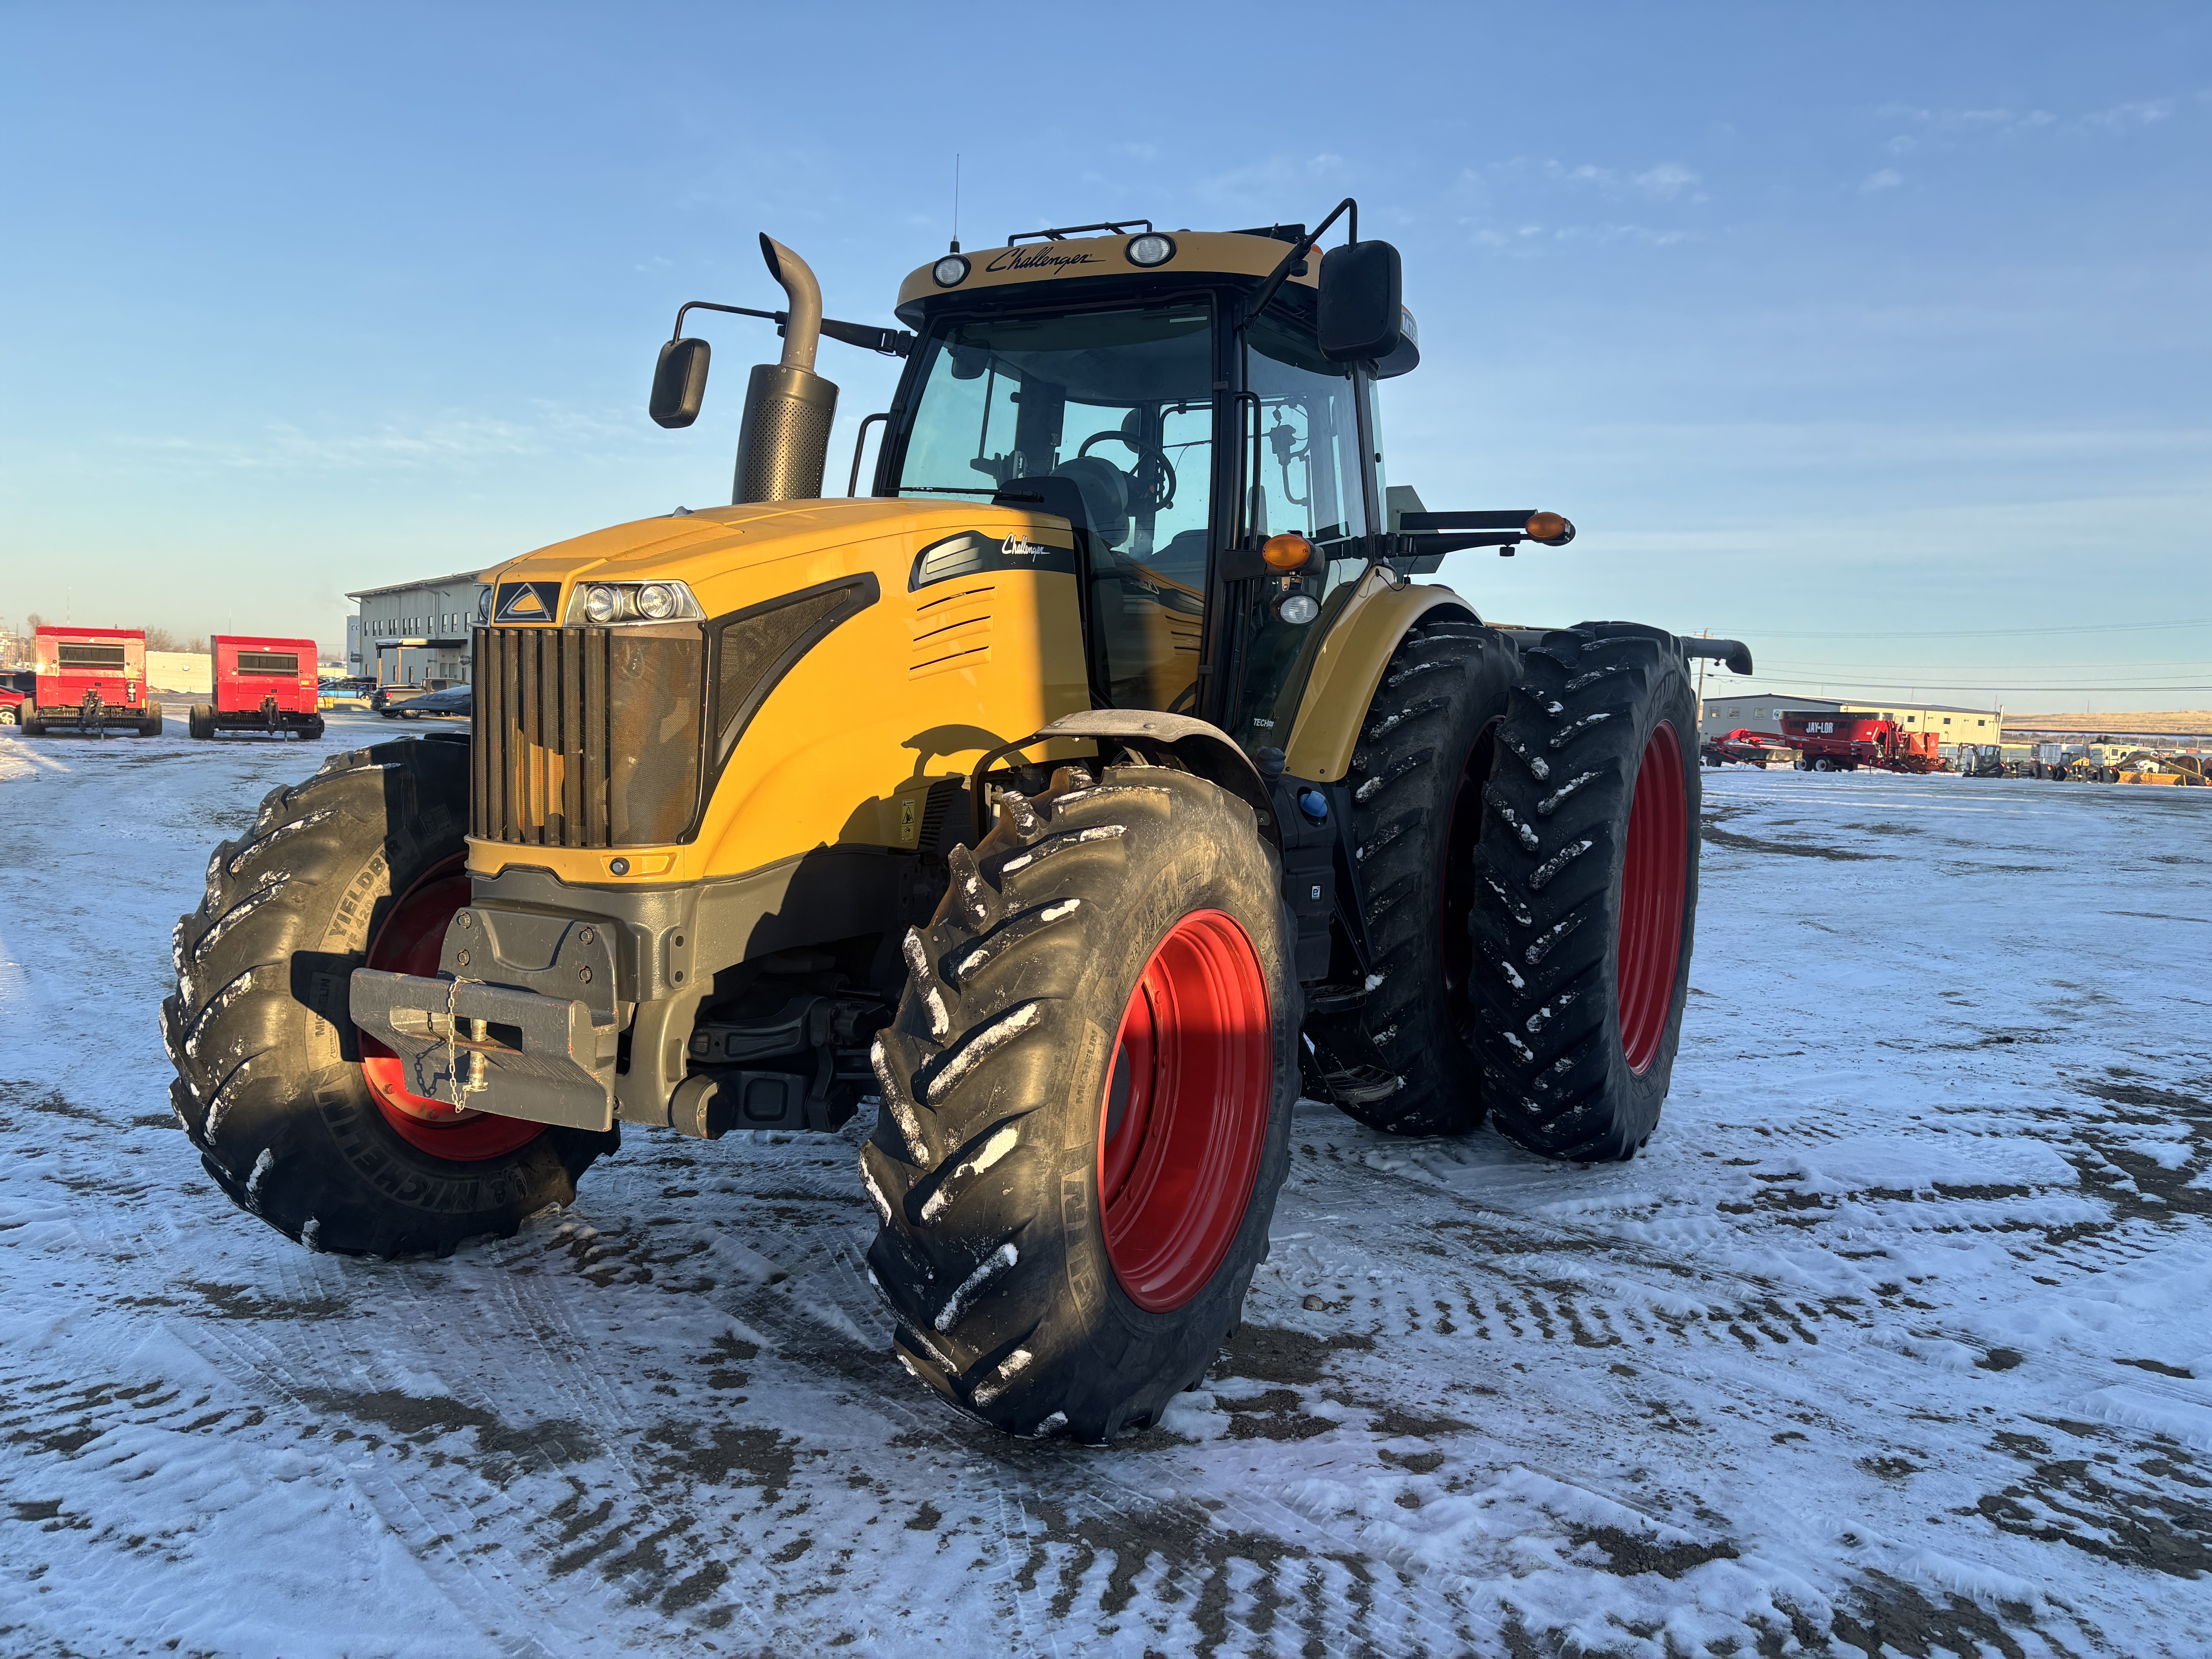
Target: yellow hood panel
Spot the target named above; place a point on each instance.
(908, 693)
(716, 549)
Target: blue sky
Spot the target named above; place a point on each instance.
(1875, 335)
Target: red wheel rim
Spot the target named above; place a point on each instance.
(1654, 873)
(1185, 1116)
(409, 942)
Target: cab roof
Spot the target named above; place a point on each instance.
(1056, 258)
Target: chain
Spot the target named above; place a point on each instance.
(452, 1059)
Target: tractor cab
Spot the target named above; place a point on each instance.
(1201, 407)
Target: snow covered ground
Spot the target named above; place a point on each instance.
(1898, 1334)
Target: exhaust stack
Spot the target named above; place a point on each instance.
(784, 442)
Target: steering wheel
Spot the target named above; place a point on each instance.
(1156, 474)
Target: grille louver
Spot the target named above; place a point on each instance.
(541, 736)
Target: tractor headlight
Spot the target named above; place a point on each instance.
(1297, 609)
(484, 606)
(1150, 249)
(603, 603)
(949, 272)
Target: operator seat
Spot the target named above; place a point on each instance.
(1105, 490)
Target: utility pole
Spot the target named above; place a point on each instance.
(1707, 634)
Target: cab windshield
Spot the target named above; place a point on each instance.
(1120, 403)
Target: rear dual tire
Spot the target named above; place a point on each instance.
(1588, 859)
(355, 867)
(1086, 1101)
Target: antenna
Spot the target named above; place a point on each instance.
(956, 201)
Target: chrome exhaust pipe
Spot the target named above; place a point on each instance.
(783, 444)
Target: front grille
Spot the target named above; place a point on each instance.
(587, 736)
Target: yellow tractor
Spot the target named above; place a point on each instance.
(1089, 790)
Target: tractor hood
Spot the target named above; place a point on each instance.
(734, 557)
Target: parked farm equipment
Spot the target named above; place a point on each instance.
(262, 684)
(1830, 742)
(1744, 747)
(89, 680)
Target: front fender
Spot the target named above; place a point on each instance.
(1196, 746)
(1350, 666)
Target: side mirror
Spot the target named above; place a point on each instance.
(1362, 302)
(679, 383)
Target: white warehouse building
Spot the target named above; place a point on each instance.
(414, 632)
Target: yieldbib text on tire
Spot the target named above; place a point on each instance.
(1405, 1059)
(360, 865)
(1587, 855)
(1086, 1101)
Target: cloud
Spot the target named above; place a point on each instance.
(1529, 236)
(456, 445)
(1258, 190)
(2123, 116)
(1886, 179)
(2128, 117)
(1665, 181)
(1662, 182)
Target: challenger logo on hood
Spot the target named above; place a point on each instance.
(526, 602)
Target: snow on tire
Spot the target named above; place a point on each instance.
(358, 865)
(1588, 859)
(1086, 1101)
(1405, 1059)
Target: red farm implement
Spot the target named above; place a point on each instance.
(1744, 747)
(87, 680)
(1830, 741)
(261, 684)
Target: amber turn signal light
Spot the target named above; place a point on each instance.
(1549, 527)
(1286, 551)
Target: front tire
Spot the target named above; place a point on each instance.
(359, 865)
(1589, 852)
(1405, 1059)
(1086, 1104)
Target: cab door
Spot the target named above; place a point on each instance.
(1305, 445)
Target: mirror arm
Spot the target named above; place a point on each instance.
(1299, 249)
(775, 317)
(886, 342)
(1420, 542)
(1453, 524)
